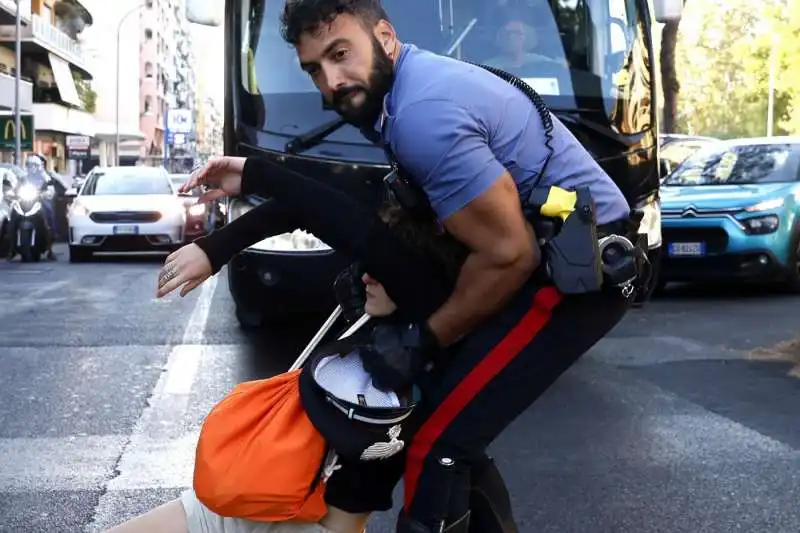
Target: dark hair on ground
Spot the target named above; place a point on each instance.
(301, 16)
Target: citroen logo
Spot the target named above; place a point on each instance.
(690, 211)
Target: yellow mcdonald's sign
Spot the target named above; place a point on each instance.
(11, 127)
(10, 133)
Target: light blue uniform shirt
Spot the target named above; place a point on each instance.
(456, 128)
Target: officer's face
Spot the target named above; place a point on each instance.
(351, 66)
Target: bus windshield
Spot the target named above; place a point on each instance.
(570, 51)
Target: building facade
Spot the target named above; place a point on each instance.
(167, 82)
(57, 74)
(113, 36)
(209, 130)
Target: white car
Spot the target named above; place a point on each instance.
(125, 209)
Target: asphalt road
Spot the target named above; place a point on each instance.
(666, 426)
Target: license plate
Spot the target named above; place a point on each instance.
(687, 249)
(126, 230)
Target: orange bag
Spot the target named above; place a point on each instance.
(259, 457)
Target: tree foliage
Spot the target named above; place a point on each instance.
(723, 64)
(85, 92)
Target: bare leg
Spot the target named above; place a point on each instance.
(167, 518)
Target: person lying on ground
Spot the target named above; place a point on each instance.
(187, 514)
(416, 262)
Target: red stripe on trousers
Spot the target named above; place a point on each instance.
(490, 366)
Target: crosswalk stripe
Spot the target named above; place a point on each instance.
(151, 459)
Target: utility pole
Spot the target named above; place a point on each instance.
(119, 33)
(17, 82)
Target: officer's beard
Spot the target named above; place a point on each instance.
(380, 82)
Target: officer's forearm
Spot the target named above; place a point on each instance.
(483, 287)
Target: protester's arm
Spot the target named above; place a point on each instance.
(262, 221)
(446, 149)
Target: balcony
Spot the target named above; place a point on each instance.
(7, 93)
(58, 118)
(40, 37)
(8, 9)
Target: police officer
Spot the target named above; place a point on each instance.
(476, 146)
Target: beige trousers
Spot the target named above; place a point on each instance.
(202, 520)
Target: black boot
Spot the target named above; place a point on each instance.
(489, 500)
(407, 524)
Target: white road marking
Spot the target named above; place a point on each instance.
(185, 358)
(181, 369)
(156, 457)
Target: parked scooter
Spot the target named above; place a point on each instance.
(30, 237)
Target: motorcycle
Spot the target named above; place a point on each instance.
(29, 223)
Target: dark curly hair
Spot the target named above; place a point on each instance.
(301, 16)
(424, 233)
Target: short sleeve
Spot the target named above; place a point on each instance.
(446, 150)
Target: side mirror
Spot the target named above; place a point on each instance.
(667, 10)
(205, 12)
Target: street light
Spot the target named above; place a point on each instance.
(17, 81)
(119, 31)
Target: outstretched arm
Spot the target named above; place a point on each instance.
(264, 220)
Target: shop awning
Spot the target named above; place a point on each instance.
(64, 81)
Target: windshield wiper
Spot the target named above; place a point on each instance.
(453, 47)
(313, 137)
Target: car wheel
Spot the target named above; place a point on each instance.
(3, 239)
(249, 319)
(653, 284)
(78, 254)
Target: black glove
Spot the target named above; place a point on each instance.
(350, 292)
(398, 353)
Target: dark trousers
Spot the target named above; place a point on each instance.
(491, 378)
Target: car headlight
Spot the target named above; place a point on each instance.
(27, 193)
(765, 205)
(761, 225)
(78, 210)
(177, 209)
(197, 210)
(295, 241)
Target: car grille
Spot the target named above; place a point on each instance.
(113, 217)
(716, 239)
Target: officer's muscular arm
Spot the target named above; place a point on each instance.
(445, 148)
(503, 255)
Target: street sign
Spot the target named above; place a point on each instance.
(78, 146)
(9, 130)
(179, 121)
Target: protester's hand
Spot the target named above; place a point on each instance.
(188, 267)
(397, 354)
(222, 174)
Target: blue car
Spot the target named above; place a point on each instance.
(730, 211)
